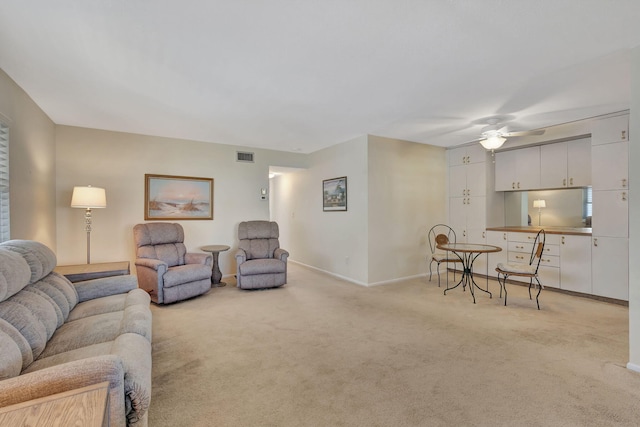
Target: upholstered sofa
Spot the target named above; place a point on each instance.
(56, 336)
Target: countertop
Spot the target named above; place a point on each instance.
(575, 231)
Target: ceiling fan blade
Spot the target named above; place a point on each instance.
(524, 133)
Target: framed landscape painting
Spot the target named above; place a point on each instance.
(168, 197)
(334, 194)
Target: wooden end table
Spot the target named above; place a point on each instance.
(81, 272)
(216, 274)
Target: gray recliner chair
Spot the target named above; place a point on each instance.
(165, 269)
(261, 263)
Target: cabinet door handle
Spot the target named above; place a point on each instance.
(563, 240)
(519, 257)
(468, 201)
(513, 185)
(484, 236)
(570, 181)
(504, 236)
(468, 192)
(624, 183)
(624, 196)
(595, 241)
(464, 233)
(518, 184)
(623, 135)
(564, 182)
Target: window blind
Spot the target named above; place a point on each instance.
(4, 184)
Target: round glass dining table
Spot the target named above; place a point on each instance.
(468, 252)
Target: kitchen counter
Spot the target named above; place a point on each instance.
(574, 231)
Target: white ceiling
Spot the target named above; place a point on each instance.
(302, 75)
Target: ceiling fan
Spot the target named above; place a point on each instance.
(493, 135)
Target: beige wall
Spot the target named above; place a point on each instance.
(407, 193)
(335, 242)
(31, 165)
(396, 189)
(118, 162)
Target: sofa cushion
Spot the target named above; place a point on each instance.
(33, 315)
(182, 274)
(10, 357)
(60, 290)
(40, 258)
(262, 266)
(83, 332)
(14, 273)
(69, 356)
(21, 343)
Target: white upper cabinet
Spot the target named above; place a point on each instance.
(610, 166)
(611, 129)
(518, 169)
(467, 155)
(565, 164)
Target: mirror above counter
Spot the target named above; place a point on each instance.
(567, 208)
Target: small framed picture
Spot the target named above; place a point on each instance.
(334, 194)
(168, 197)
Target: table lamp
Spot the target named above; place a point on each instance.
(88, 198)
(539, 204)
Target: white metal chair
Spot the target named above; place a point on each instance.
(524, 270)
(440, 234)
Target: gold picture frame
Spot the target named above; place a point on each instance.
(169, 197)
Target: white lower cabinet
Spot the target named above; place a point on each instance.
(575, 263)
(496, 238)
(610, 267)
(520, 246)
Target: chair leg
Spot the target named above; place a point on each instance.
(503, 285)
(539, 290)
(530, 284)
(430, 273)
(438, 274)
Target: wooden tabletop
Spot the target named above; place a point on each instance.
(215, 248)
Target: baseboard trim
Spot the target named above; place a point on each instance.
(357, 282)
(633, 367)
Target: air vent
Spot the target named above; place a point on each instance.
(244, 156)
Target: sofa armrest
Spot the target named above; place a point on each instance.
(281, 254)
(66, 377)
(104, 287)
(198, 258)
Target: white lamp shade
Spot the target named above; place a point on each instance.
(539, 204)
(89, 197)
(492, 142)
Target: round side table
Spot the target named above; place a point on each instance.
(216, 275)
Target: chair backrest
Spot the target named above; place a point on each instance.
(538, 249)
(440, 234)
(160, 240)
(259, 239)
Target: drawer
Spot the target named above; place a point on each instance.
(519, 257)
(551, 250)
(551, 239)
(524, 247)
(550, 261)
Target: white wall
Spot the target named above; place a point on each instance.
(407, 193)
(31, 165)
(634, 215)
(118, 162)
(335, 242)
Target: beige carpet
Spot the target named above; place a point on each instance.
(322, 352)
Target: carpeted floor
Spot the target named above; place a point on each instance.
(322, 352)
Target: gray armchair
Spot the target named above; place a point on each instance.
(165, 269)
(261, 262)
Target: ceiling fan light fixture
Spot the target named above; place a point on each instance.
(493, 142)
